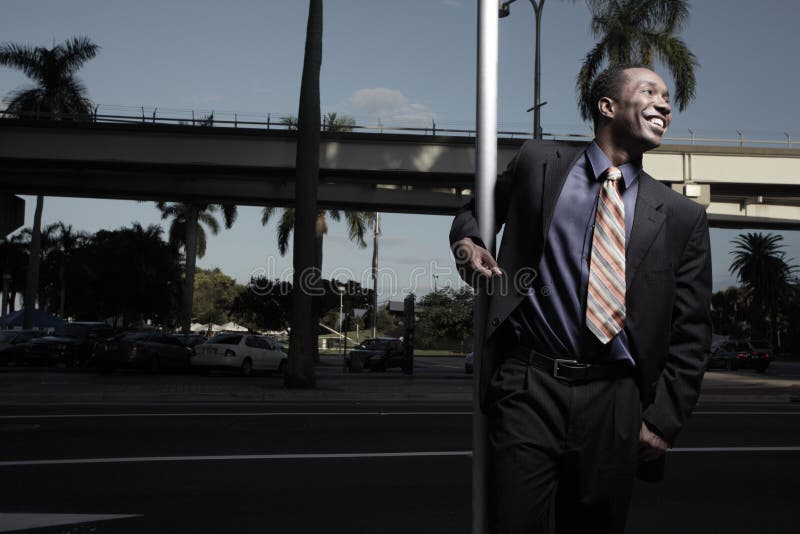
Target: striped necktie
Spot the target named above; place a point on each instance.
(605, 303)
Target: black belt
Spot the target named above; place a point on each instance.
(570, 370)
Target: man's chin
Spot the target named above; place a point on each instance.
(651, 142)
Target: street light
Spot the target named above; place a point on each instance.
(504, 11)
(341, 288)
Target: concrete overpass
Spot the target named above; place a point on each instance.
(742, 186)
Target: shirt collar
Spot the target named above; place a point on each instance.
(599, 162)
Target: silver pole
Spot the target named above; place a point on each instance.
(485, 178)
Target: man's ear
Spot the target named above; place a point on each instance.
(607, 107)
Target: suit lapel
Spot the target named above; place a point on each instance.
(647, 221)
(556, 170)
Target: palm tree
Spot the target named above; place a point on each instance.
(303, 337)
(64, 244)
(357, 226)
(57, 93)
(186, 230)
(639, 31)
(760, 264)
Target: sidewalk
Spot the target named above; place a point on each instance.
(431, 382)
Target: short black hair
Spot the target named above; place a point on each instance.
(609, 83)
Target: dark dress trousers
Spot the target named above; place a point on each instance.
(668, 292)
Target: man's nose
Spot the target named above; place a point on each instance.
(663, 107)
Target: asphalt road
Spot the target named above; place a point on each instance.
(349, 467)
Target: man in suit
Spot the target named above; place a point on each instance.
(598, 316)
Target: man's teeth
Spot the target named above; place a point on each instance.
(657, 122)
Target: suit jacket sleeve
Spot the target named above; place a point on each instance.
(465, 223)
(678, 387)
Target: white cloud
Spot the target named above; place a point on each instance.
(389, 105)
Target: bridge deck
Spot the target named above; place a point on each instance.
(743, 187)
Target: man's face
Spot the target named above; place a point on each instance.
(641, 114)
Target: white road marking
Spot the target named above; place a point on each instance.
(11, 522)
(310, 456)
(217, 414)
(746, 413)
(330, 456)
(736, 449)
(304, 414)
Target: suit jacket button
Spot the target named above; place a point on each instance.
(495, 321)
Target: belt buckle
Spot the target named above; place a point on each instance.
(559, 361)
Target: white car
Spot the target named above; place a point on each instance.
(245, 352)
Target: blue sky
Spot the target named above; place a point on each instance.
(406, 63)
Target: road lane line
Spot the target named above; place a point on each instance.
(746, 413)
(10, 522)
(304, 414)
(331, 456)
(736, 449)
(310, 456)
(217, 414)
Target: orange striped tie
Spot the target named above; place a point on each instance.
(605, 303)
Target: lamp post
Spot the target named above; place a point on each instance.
(341, 289)
(505, 10)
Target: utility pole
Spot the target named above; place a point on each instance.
(376, 235)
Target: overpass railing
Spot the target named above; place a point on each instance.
(269, 121)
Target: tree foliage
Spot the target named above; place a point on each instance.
(56, 90)
(263, 304)
(129, 274)
(760, 265)
(214, 294)
(445, 315)
(639, 31)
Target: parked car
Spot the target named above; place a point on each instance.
(191, 340)
(742, 354)
(245, 352)
(13, 344)
(469, 362)
(151, 351)
(72, 344)
(377, 354)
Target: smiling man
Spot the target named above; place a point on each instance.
(598, 316)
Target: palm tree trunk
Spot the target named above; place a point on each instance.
(300, 368)
(63, 290)
(32, 279)
(187, 295)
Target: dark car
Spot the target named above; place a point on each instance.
(469, 363)
(72, 344)
(742, 354)
(13, 344)
(377, 354)
(150, 351)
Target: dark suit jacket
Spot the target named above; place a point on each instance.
(668, 276)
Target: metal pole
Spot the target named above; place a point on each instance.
(376, 235)
(537, 81)
(485, 178)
